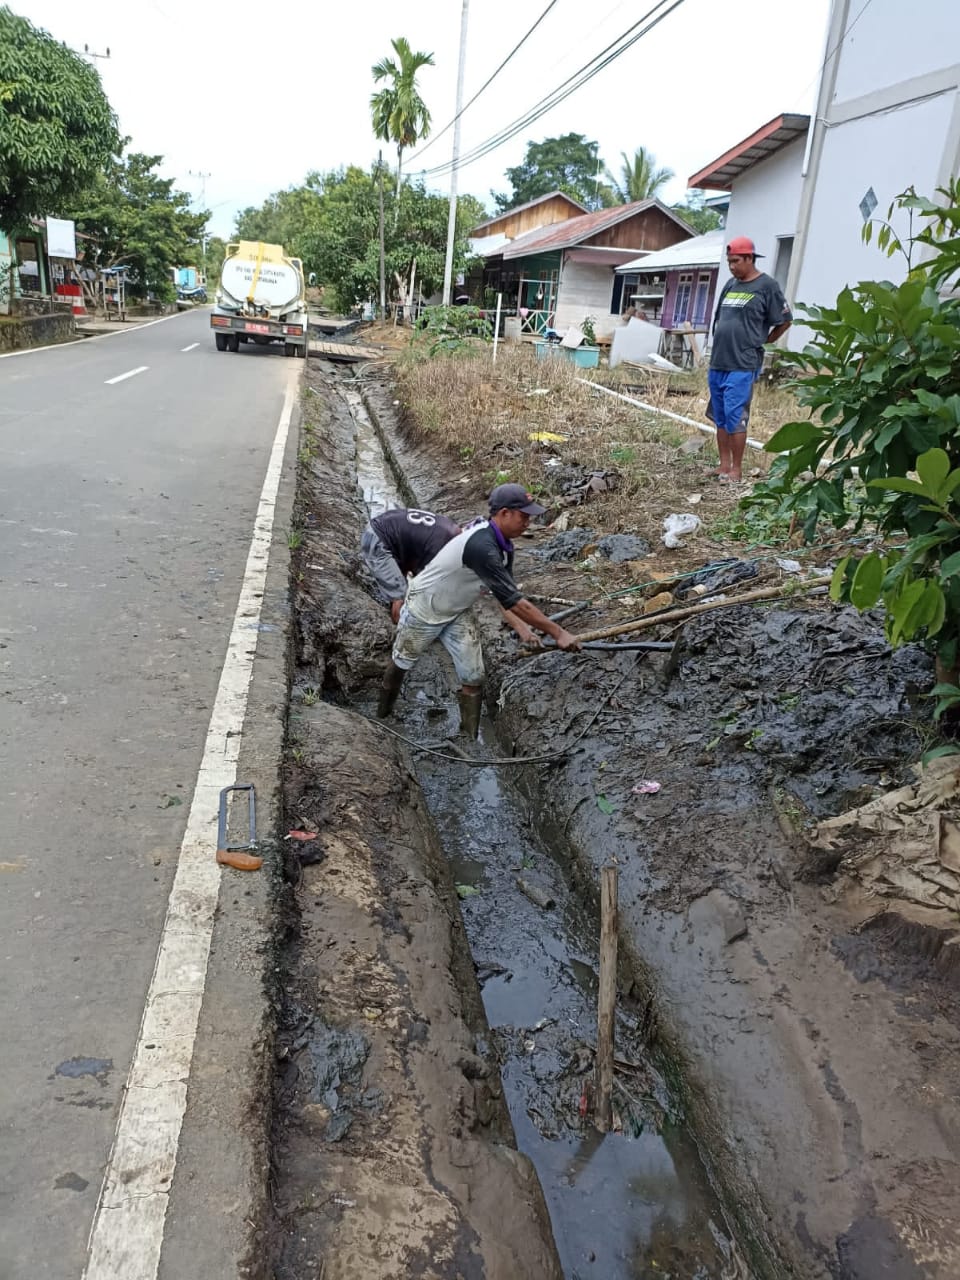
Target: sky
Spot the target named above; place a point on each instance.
(253, 97)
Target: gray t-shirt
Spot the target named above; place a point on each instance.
(746, 312)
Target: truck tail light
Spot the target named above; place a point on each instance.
(293, 328)
(219, 321)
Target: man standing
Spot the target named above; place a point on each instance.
(399, 542)
(751, 312)
(440, 599)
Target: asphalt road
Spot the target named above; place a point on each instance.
(126, 511)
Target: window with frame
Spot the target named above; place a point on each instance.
(700, 300)
(681, 303)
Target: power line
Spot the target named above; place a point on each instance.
(829, 54)
(486, 85)
(576, 81)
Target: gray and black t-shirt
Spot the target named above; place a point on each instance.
(746, 312)
(458, 573)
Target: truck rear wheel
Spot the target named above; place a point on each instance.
(233, 342)
(221, 340)
(289, 349)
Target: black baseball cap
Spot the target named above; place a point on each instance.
(515, 498)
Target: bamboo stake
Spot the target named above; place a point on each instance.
(607, 998)
(678, 615)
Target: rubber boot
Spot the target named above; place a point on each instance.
(471, 704)
(389, 689)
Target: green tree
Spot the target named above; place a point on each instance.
(569, 164)
(639, 179)
(56, 125)
(399, 113)
(138, 220)
(283, 215)
(693, 212)
(881, 376)
(213, 260)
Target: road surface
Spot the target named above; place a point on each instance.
(131, 468)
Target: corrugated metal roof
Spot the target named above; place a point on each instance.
(508, 213)
(720, 174)
(564, 235)
(701, 251)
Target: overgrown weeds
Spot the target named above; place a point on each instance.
(536, 422)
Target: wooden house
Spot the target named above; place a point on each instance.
(676, 286)
(558, 275)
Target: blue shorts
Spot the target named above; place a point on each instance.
(730, 393)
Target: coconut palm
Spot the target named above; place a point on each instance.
(640, 179)
(399, 113)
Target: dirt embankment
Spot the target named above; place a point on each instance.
(818, 1048)
(393, 1152)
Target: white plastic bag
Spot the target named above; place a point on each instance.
(676, 525)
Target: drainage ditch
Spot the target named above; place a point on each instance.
(636, 1202)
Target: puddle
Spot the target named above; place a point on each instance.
(373, 477)
(630, 1205)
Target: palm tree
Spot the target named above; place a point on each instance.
(640, 179)
(399, 113)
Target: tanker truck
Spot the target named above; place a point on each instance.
(260, 299)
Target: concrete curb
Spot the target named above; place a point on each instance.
(219, 1202)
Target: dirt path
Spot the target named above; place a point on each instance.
(817, 1048)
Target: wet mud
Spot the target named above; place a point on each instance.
(813, 1047)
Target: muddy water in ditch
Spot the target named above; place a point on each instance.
(635, 1203)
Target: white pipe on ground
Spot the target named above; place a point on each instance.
(652, 408)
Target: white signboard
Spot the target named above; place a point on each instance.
(61, 238)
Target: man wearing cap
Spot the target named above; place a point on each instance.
(751, 312)
(439, 602)
(398, 543)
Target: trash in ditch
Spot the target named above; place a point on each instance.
(693, 445)
(646, 787)
(694, 498)
(676, 525)
(300, 835)
(169, 802)
(467, 891)
(790, 566)
(604, 805)
(310, 854)
(539, 391)
(540, 897)
(546, 437)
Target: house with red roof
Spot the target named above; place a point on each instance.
(559, 273)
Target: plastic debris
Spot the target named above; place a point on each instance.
(546, 437)
(693, 445)
(694, 498)
(646, 787)
(300, 835)
(676, 525)
(467, 891)
(790, 566)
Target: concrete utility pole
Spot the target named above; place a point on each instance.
(452, 219)
(194, 173)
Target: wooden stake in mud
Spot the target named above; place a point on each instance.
(607, 1000)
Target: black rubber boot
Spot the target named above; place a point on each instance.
(389, 689)
(471, 704)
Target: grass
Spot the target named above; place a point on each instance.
(485, 414)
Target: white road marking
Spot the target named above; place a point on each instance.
(191, 346)
(127, 1232)
(131, 373)
(60, 346)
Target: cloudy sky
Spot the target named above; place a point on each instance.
(255, 95)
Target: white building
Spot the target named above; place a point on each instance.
(887, 117)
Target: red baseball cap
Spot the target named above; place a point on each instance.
(743, 246)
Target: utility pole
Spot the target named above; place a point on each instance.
(383, 270)
(89, 53)
(452, 219)
(194, 173)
